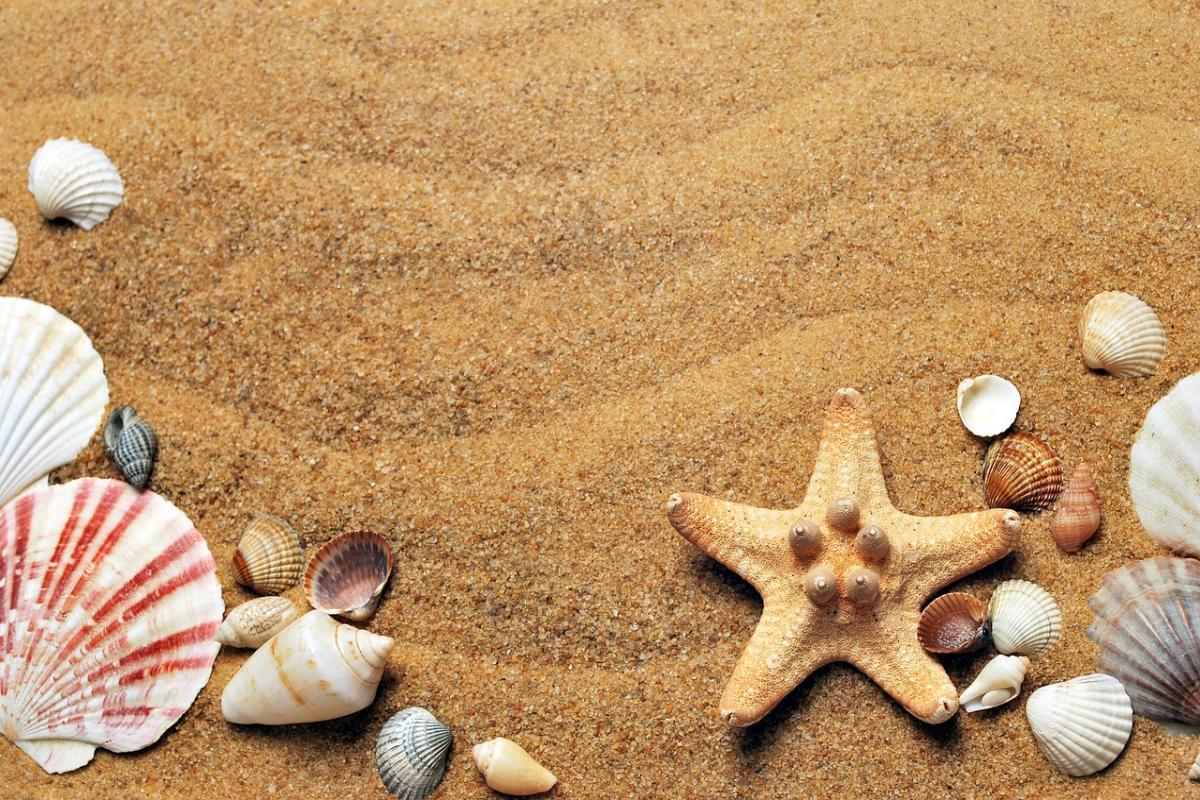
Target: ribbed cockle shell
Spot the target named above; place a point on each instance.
(411, 753)
(998, 682)
(268, 558)
(76, 181)
(1025, 618)
(1122, 335)
(8, 246)
(953, 623)
(347, 575)
(1021, 472)
(254, 622)
(132, 445)
(508, 769)
(1081, 725)
(1164, 472)
(1078, 516)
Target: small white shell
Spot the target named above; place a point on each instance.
(998, 682)
(988, 404)
(76, 181)
(411, 753)
(1194, 772)
(254, 622)
(1025, 618)
(1082, 725)
(1122, 335)
(1164, 471)
(8, 246)
(508, 769)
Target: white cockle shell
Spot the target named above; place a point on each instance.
(8, 246)
(75, 181)
(1122, 335)
(1164, 471)
(1081, 725)
(1025, 618)
(998, 682)
(988, 404)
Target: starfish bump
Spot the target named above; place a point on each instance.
(843, 576)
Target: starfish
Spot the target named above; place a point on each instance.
(848, 588)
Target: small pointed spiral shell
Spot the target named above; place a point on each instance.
(411, 753)
(1122, 335)
(953, 623)
(1023, 473)
(997, 683)
(1078, 516)
(75, 181)
(268, 558)
(8, 246)
(508, 769)
(1025, 618)
(132, 445)
(254, 622)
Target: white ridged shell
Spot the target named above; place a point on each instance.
(998, 682)
(255, 621)
(74, 180)
(411, 753)
(8, 246)
(52, 393)
(1164, 469)
(988, 404)
(1122, 335)
(109, 600)
(1081, 725)
(1025, 618)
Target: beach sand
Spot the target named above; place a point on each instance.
(497, 279)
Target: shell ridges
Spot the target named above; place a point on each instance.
(411, 753)
(1081, 725)
(268, 557)
(1164, 470)
(74, 180)
(347, 575)
(8, 246)
(1025, 618)
(1023, 473)
(1122, 335)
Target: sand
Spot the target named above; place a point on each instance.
(496, 279)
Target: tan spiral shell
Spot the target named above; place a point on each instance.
(268, 558)
(1023, 473)
(953, 623)
(1078, 515)
(1122, 335)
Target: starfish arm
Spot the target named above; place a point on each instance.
(847, 463)
(753, 542)
(943, 549)
(912, 677)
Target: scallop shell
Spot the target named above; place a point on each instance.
(1122, 335)
(315, 669)
(269, 559)
(411, 752)
(1025, 618)
(988, 404)
(1164, 471)
(75, 181)
(508, 769)
(1148, 628)
(109, 604)
(1078, 516)
(1081, 725)
(52, 393)
(998, 682)
(132, 444)
(254, 622)
(8, 246)
(1021, 472)
(347, 575)
(953, 623)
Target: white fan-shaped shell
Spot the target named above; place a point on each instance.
(110, 600)
(52, 392)
(988, 404)
(411, 753)
(76, 181)
(1164, 469)
(1025, 618)
(1122, 335)
(8, 246)
(1081, 725)
(998, 682)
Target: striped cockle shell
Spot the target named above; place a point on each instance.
(998, 682)
(8, 246)
(1023, 473)
(268, 559)
(1122, 335)
(75, 181)
(1164, 472)
(508, 769)
(132, 445)
(1025, 619)
(953, 623)
(109, 600)
(1078, 516)
(1081, 725)
(254, 622)
(346, 576)
(988, 404)
(411, 753)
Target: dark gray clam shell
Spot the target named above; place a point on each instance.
(132, 445)
(411, 753)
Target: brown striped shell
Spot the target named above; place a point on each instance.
(1023, 473)
(347, 575)
(1078, 515)
(269, 559)
(953, 623)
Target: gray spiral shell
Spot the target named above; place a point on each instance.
(132, 445)
(411, 753)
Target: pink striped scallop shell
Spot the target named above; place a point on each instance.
(347, 575)
(110, 601)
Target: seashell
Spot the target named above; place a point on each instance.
(1147, 624)
(75, 181)
(254, 622)
(1081, 725)
(52, 393)
(988, 404)
(1164, 472)
(347, 575)
(268, 558)
(508, 769)
(132, 444)
(109, 604)
(1078, 516)
(411, 752)
(1021, 472)
(8, 246)
(1194, 772)
(1025, 618)
(953, 623)
(315, 669)
(998, 682)
(1122, 335)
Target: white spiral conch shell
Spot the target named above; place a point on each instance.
(1025, 618)
(508, 769)
(254, 622)
(1164, 471)
(988, 405)
(998, 682)
(1082, 725)
(75, 181)
(8, 246)
(1122, 335)
(315, 669)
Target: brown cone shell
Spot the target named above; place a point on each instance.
(1078, 516)
(1023, 473)
(347, 575)
(269, 559)
(953, 623)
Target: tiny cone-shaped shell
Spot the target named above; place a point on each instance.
(1025, 618)
(132, 445)
(953, 623)
(988, 405)
(1194, 772)
(508, 769)
(411, 753)
(347, 575)
(8, 246)
(254, 622)
(1023, 473)
(76, 181)
(1081, 725)
(998, 682)
(1122, 335)
(1078, 516)
(315, 669)
(268, 558)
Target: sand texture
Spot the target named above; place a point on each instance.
(497, 279)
